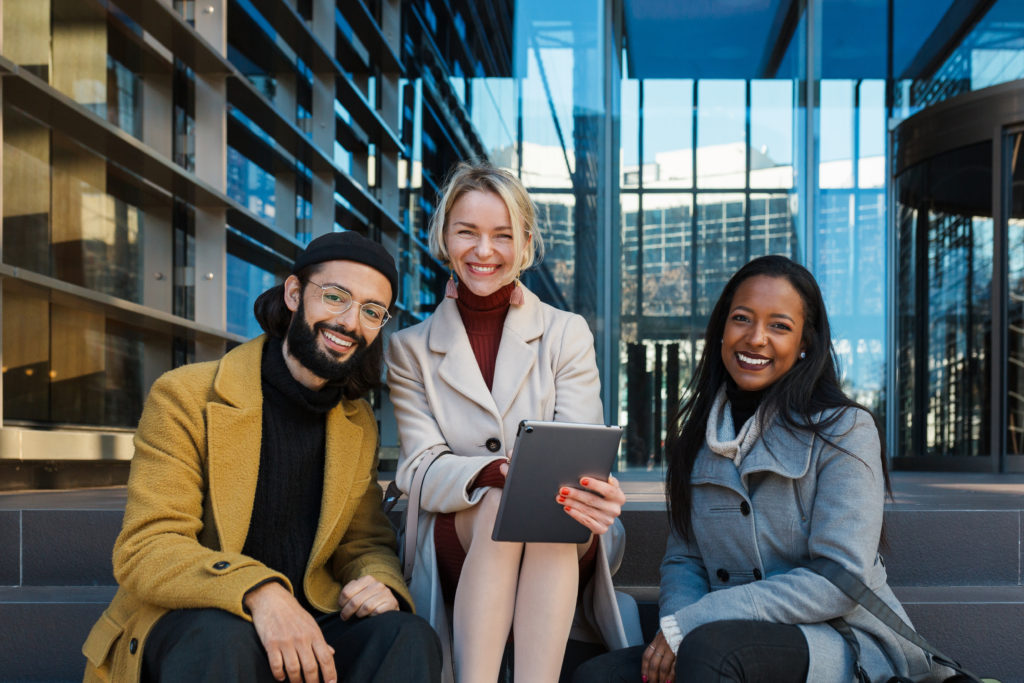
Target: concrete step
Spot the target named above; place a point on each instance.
(42, 630)
(953, 556)
(979, 626)
(947, 538)
(923, 547)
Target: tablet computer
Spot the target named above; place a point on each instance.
(546, 457)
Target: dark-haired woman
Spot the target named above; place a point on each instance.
(771, 465)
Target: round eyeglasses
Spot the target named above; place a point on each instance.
(337, 301)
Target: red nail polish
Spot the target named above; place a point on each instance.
(561, 499)
(563, 491)
(585, 482)
(567, 508)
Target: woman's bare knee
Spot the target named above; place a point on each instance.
(478, 521)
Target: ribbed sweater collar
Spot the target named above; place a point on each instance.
(482, 314)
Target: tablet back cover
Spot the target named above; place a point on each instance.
(547, 456)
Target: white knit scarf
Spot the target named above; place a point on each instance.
(721, 432)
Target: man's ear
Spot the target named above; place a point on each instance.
(292, 293)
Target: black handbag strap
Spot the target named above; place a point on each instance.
(855, 589)
(840, 625)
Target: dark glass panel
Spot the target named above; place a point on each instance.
(1015, 300)
(944, 321)
(70, 365)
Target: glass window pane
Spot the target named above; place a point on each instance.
(547, 149)
(871, 134)
(71, 365)
(555, 216)
(422, 281)
(836, 139)
(771, 134)
(629, 132)
(945, 240)
(667, 220)
(67, 213)
(245, 282)
(668, 133)
(630, 205)
(772, 225)
(721, 133)
(250, 185)
(26, 192)
(721, 245)
(1015, 300)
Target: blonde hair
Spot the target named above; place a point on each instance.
(482, 177)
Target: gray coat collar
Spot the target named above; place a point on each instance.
(777, 450)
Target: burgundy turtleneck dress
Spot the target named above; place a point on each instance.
(484, 319)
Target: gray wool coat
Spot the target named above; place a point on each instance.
(792, 498)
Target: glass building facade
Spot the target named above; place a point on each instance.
(164, 160)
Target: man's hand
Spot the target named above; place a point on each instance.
(295, 646)
(365, 597)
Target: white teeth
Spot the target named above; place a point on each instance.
(337, 340)
(752, 361)
(484, 269)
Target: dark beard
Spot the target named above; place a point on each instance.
(302, 345)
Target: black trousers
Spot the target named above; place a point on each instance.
(747, 651)
(211, 645)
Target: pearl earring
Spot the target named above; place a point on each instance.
(803, 354)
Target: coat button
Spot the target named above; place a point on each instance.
(757, 574)
(493, 445)
(745, 508)
(222, 565)
(133, 645)
(722, 575)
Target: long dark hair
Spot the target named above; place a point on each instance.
(274, 317)
(796, 399)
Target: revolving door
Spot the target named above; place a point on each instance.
(958, 267)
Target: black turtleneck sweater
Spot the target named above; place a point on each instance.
(742, 404)
(290, 485)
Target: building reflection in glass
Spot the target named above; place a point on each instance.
(944, 318)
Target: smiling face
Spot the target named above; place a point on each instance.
(480, 242)
(327, 344)
(763, 334)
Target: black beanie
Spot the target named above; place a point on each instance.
(350, 246)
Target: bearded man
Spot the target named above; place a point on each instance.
(253, 546)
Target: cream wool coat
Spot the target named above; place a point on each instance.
(545, 370)
(190, 495)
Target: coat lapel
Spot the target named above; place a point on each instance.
(711, 468)
(517, 355)
(342, 461)
(234, 435)
(458, 368)
(780, 452)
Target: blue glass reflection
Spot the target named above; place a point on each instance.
(245, 282)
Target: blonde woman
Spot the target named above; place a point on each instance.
(489, 356)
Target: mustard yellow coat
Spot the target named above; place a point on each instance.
(190, 496)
